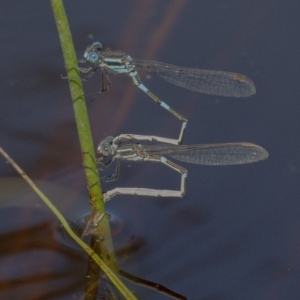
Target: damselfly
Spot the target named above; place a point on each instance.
(219, 83)
(203, 154)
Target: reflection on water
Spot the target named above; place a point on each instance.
(38, 259)
(34, 263)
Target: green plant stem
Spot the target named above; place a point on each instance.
(83, 127)
(103, 247)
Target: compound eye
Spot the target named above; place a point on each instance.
(92, 57)
(104, 149)
(97, 45)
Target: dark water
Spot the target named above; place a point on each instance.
(236, 233)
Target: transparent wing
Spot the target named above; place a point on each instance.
(211, 154)
(219, 83)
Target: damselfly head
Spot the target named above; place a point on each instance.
(105, 146)
(90, 53)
